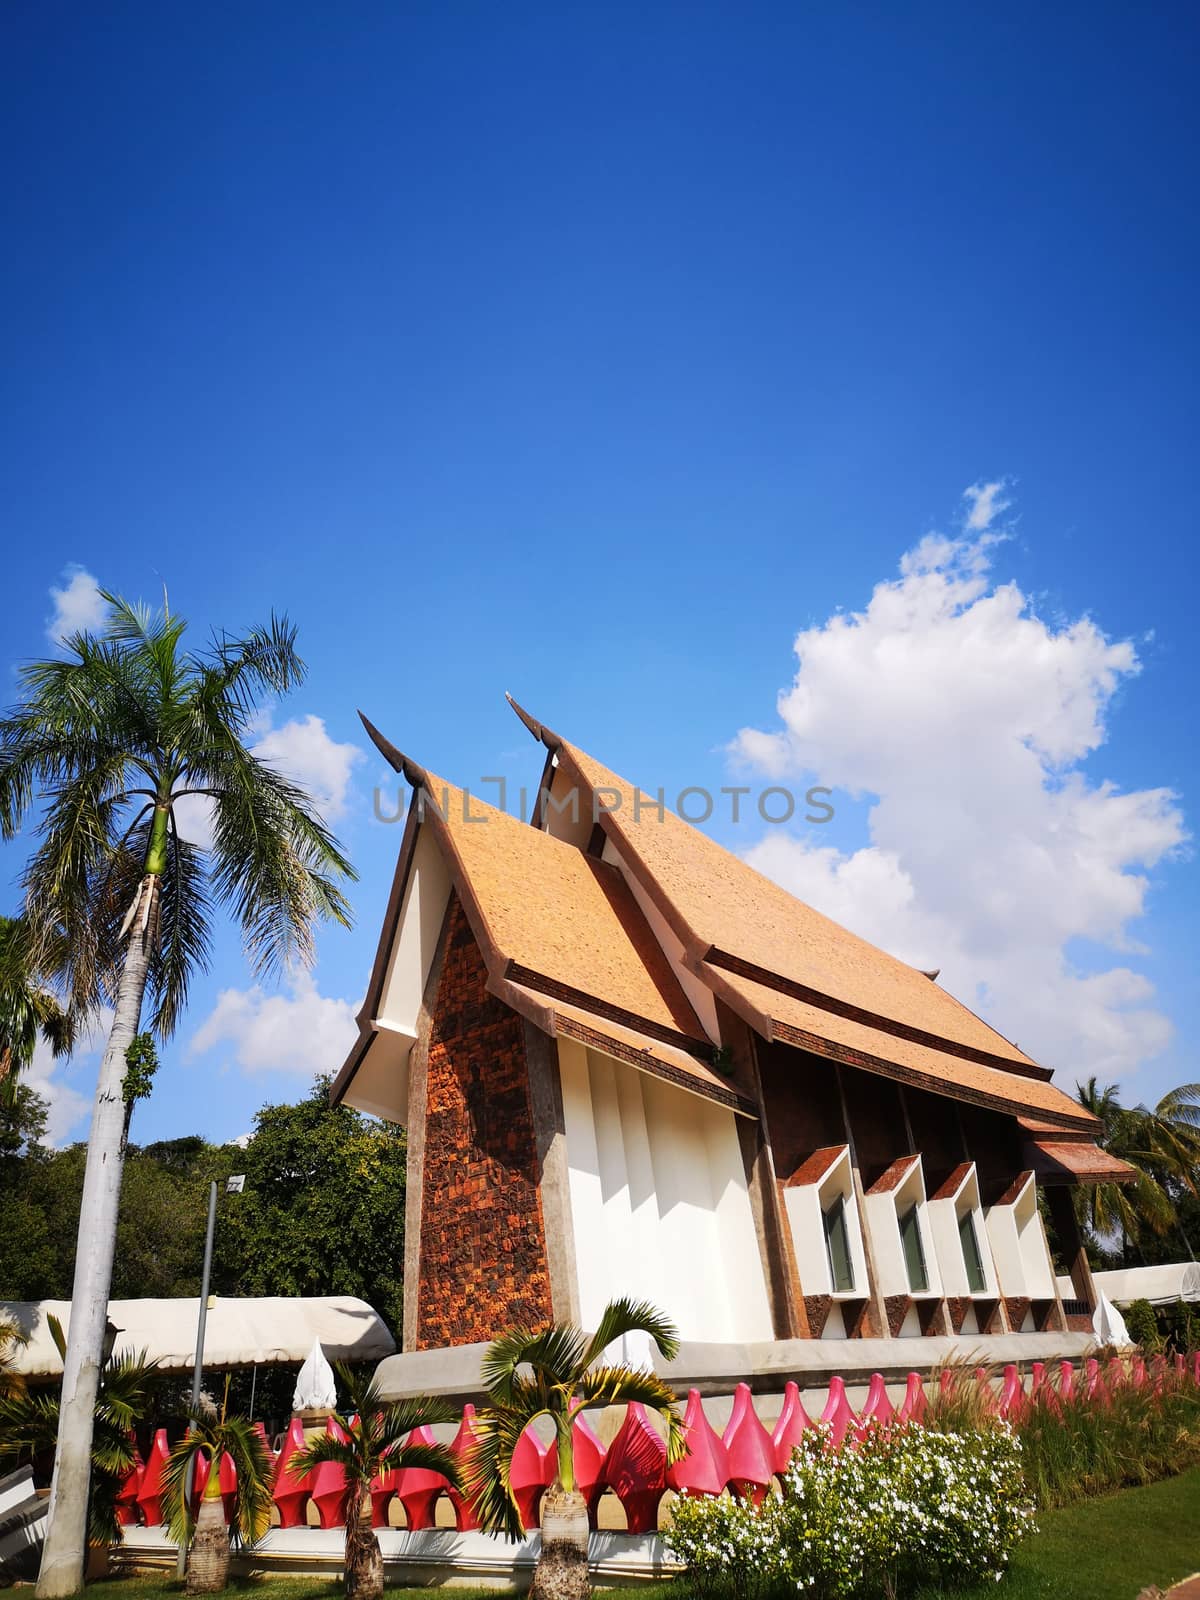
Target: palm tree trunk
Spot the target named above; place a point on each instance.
(208, 1558)
(562, 1569)
(364, 1559)
(66, 1529)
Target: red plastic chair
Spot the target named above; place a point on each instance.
(418, 1488)
(329, 1487)
(635, 1469)
(838, 1412)
(749, 1449)
(228, 1481)
(127, 1495)
(149, 1497)
(531, 1475)
(793, 1420)
(465, 1519)
(291, 1490)
(987, 1394)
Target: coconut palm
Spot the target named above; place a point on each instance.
(213, 1434)
(29, 1010)
(1162, 1144)
(565, 1377)
(110, 740)
(29, 1426)
(372, 1439)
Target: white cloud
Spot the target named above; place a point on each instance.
(302, 751)
(986, 502)
(69, 1108)
(302, 1032)
(966, 718)
(78, 606)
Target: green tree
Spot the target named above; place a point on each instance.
(323, 1207)
(557, 1374)
(1162, 1144)
(373, 1439)
(29, 1009)
(108, 740)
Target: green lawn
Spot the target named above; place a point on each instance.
(1107, 1549)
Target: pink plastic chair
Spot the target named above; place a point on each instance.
(838, 1412)
(749, 1449)
(705, 1467)
(915, 1403)
(149, 1496)
(793, 1420)
(877, 1408)
(589, 1455)
(291, 1490)
(635, 1469)
(1013, 1401)
(465, 1519)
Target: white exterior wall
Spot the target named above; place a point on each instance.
(659, 1201)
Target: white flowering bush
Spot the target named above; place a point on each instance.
(901, 1507)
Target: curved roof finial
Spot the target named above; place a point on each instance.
(539, 730)
(408, 769)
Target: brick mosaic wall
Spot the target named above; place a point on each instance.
(483, 1248)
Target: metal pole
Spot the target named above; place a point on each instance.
(198, 1371)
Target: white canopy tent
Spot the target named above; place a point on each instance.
(1162, 1286)
(239, 1332)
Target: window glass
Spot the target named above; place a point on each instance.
(976, 1277)
(914, 1252)
(837, 1247)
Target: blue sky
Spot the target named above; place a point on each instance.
(596, 353)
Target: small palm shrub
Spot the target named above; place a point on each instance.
(901, 1507)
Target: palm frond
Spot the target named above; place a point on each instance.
(488, 1474)
(502, 1358)
(626, 1315)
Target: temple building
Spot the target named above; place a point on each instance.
(630, 1064)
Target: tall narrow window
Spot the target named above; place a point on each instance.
(972, 1259)
(837, 1247)
(914, 1251)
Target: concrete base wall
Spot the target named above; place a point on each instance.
(435, 1556)
(716, 1369)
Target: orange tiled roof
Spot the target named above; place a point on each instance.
(826, 1033)
(725, 911)
(555, 919)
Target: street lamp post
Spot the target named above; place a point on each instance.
(233, 1185)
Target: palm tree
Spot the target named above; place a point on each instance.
(565, 1378)
(1161, 1144)
(371, 1440)
(28, 1008)
(12, 1338)
(110, 739)
(29, 1426)
(211, 1436)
